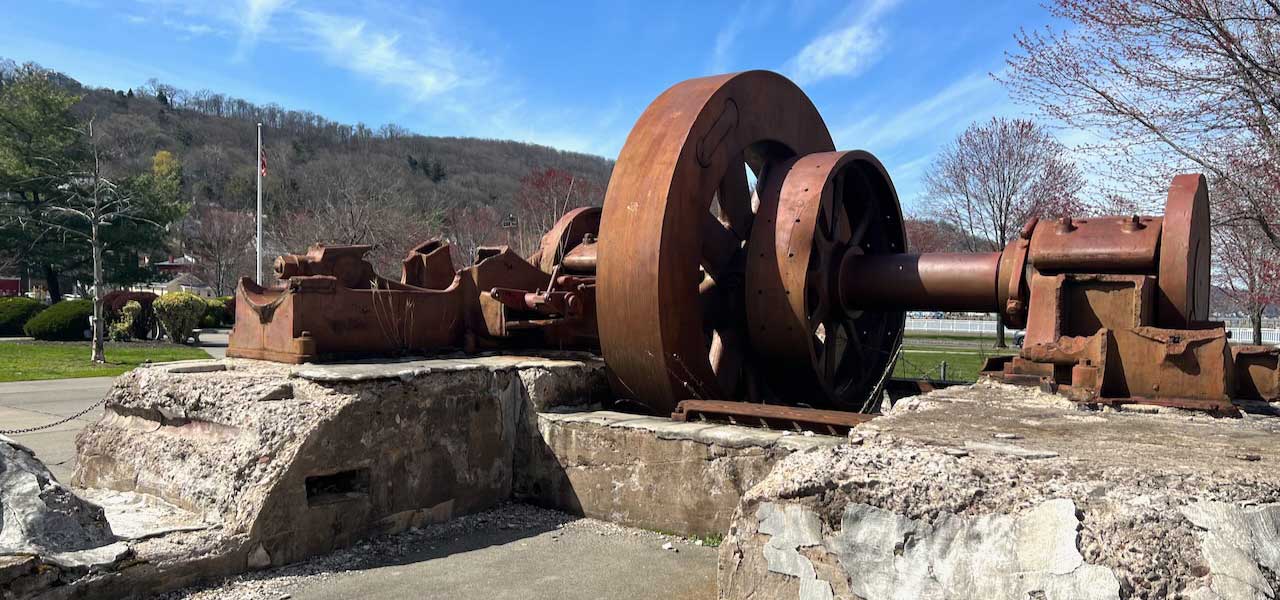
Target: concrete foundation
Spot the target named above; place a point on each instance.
(991, 492)
(262, 464)
(212, 468)
(685, 478)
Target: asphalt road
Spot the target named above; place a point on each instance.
(32, 403)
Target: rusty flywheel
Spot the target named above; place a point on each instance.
(672, 321)
(681, 277)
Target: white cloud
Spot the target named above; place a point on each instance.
(253, 19)
(431, 68)
(843, 52)
(932, 120)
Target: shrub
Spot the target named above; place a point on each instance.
(114, 303)
(15, 312)
(121, 329)
(218, 313)
(179, 313)
(66, 320)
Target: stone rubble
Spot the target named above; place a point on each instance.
(48, 534)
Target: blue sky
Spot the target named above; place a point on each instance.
(897, 77)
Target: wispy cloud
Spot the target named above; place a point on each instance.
(749, 14)
(932, 120)
(909, 138)
(430, 69)
(253, 19)
(845, 51)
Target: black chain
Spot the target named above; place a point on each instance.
(55, 423)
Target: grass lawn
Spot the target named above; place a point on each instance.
(924, 337)
(25, 361)
(962, 364)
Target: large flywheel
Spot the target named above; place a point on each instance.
(677, 215)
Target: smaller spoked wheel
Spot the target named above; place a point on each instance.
(822, 207)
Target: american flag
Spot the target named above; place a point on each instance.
(262, 160)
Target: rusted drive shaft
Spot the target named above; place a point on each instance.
(948, 281)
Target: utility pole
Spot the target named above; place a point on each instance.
(261, 166)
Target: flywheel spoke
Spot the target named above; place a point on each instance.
(735, 199)
(719, 246)
(727, 355)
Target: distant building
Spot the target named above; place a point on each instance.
(181, 264)
(10, 286)
(184, 282)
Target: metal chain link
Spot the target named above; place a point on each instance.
(55, 423)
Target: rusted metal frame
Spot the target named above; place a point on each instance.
(829, 422)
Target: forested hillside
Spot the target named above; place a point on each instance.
(326, 181)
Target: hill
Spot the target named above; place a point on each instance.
(327, 181)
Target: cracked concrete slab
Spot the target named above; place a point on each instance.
(1046, 500)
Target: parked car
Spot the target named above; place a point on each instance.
(1019, 336)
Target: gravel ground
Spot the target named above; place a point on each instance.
(503, 525)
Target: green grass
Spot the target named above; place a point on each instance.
(962, 364)
(26, 361)
(921, 336)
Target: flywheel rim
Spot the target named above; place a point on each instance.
(812, 351)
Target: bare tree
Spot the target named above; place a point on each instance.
(546, 195)
(995, 177)
(470, 227)
(1169, 84)
(925, 234)
(1246, 263)
(358, 204)
(221, 241)
(87, 202)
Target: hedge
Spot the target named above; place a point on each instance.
(114, 303)
(66, 320)
(179, 313)
(15, 312)
(220, 312)
(121, 330)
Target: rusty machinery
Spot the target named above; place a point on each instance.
(743, 268)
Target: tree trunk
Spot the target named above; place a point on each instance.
(51, 282)
(1256, 319)
(99, 355)
(1000, 343)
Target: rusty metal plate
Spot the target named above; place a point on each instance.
(1096, 245)
(828, 422)
(1183, 297)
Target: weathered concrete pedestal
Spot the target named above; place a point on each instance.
(256, 464)
(992, 492)
(212, 468)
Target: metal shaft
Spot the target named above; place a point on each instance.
(934, 281)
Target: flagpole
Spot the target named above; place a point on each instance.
(257, 168)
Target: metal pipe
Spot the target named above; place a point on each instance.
(935, 281)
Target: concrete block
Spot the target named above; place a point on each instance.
(259, 464)
(1085, 506)
(649, 472)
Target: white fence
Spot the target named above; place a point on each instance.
(1243, 335)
